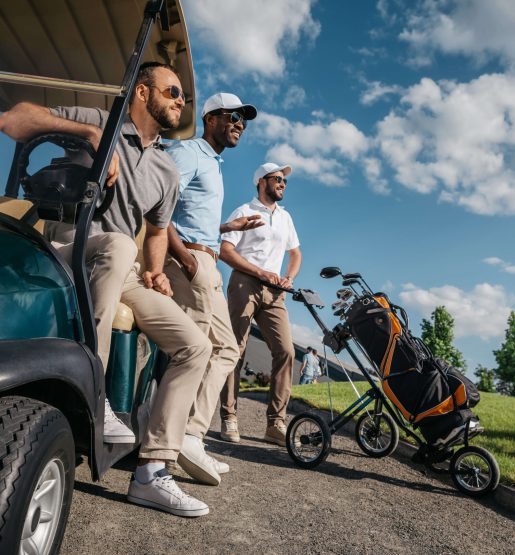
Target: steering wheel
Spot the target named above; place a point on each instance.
(63, 180)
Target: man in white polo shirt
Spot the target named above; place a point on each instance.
(257, 255)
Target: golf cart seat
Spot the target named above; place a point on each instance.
(18, 208)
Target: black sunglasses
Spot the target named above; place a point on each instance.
(235, 117)
(172, 92)
(278, 178)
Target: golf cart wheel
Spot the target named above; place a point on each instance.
(308, 440)
(377, 434)
(474, 471)
(37, 469)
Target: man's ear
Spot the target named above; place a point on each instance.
(140, 92)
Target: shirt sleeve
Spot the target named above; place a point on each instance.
(160, 214)
(234, 237)
(293, 240)
(90, 116)
(186, 161)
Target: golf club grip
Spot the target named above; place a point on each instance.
(274, 286)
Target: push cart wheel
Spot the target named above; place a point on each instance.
(474, 471)
(377, 434)
(308, 440)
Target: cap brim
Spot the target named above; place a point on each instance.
(285, 169)
(249, 111)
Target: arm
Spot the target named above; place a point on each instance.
(154, 252)
(229, 255)
(177, 249)
(303, 365)
(295, 258)
(244, 223)
(26, 120)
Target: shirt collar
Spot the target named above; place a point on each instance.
(207, 149)
(129, 129)
(258, 205)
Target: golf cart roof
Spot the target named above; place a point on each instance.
(76, 52)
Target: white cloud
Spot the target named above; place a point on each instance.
(478, 28)
(306, 337)
(375, 90)
(373, 169)
(317, 149)
(481, 312)
(253, 36)
(294, 97)
(455, 138)
(507, 267)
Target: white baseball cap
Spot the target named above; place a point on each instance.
(270, 167)
(228, 101)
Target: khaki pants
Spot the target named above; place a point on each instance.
(248, 300)
(115, 276)
(203, 301)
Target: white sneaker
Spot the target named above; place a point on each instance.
(198, 464)
(163, 493)
(115, 431)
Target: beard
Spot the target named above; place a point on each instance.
(162, 114)
(272, 194)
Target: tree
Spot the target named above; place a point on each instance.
(505, 358)
(438, 335)
(486, 379)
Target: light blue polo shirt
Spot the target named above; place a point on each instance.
(311, 368)
(198, 212)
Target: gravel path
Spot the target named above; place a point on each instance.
(349, 505)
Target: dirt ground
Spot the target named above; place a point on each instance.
(350, 504)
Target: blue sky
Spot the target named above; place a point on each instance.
(398, 117)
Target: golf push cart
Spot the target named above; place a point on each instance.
(52, 386)
(403, 377)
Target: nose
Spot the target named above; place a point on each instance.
(239, 125)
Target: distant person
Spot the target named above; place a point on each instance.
(257, 255)
(310, 367)
(193, 243)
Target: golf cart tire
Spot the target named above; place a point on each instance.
(36, 449)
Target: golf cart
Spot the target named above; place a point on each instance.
(52, 385)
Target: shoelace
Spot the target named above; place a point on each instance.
(231, 426)
(109, 414)
(173, 487)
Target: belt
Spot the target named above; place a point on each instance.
(203, 248)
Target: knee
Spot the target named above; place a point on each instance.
(119, 248)
(286, 354)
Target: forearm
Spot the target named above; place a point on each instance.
(154, 251)
(176, 247)
(26, 120)
(237, 262)
(294, 262)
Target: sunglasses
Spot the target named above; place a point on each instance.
(234, 117)
(172, 92)
(278, 178)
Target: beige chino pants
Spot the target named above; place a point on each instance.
(204, 302)
(248, 300)
(114, 276)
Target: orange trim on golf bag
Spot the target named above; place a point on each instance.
(445, 406)
(394, 334)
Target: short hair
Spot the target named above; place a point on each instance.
(309, 349)
(315, 351)
(146, 74)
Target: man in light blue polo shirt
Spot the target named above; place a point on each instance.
(193, 238)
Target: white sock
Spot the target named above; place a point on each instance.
(145, 473)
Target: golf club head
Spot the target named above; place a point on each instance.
(350, 281)
(344, 294)
(330, 272)
(352, 276)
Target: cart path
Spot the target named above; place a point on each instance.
(350, 504)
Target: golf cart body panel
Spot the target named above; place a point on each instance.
(77, 49)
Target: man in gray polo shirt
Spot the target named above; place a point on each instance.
(146, 188)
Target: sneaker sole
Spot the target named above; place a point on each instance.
(229, 438)
(197, 472)
(177, 512)
(277, 441)
(119, 439)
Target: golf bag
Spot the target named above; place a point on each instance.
(430, 394)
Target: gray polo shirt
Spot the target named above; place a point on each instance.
(148, 182)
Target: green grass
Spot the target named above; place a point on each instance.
(497, 414)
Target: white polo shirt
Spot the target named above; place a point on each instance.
(264, 246)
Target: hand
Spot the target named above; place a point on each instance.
(191, 267)
(244, 223)
(94, 137)
(159, 282)
(269, 276)
(286, 282)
